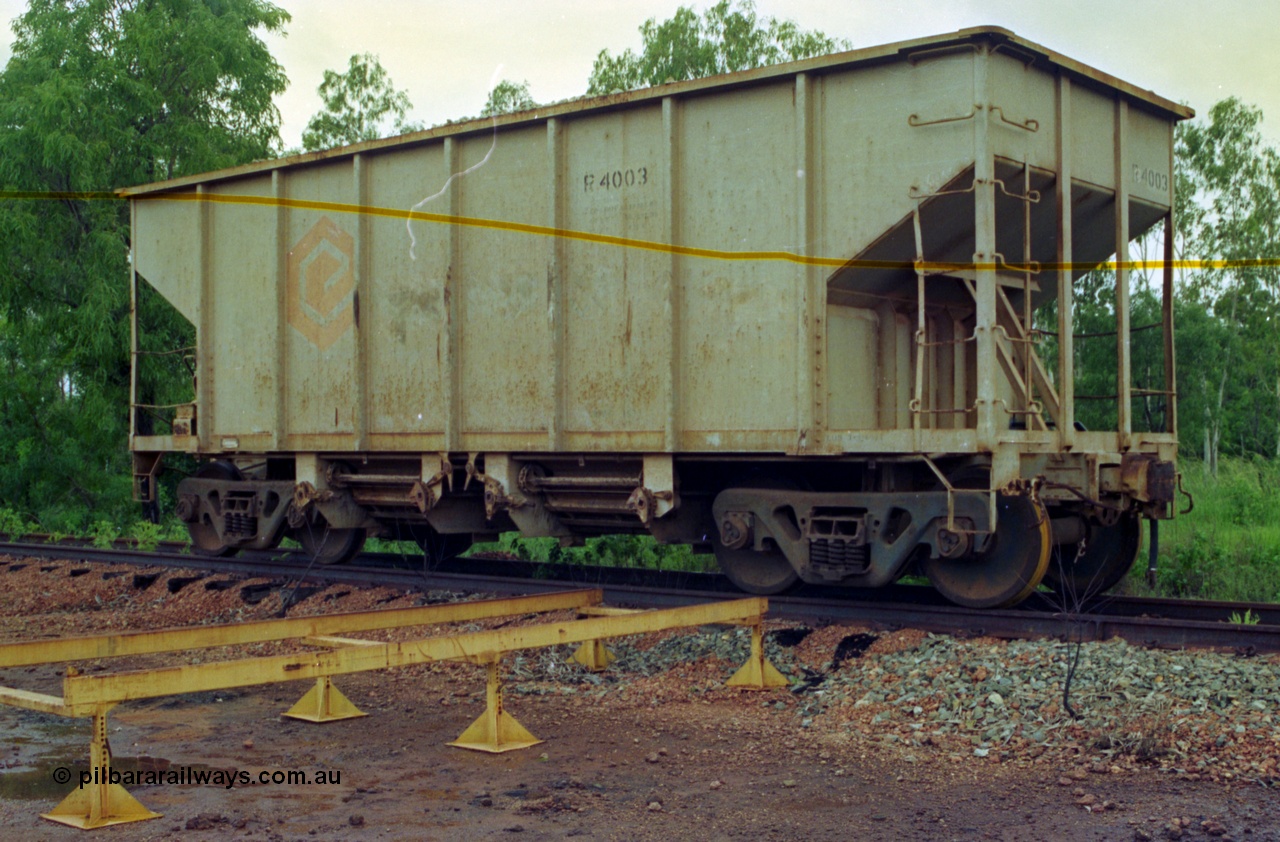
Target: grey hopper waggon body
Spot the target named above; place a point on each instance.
(788, 314)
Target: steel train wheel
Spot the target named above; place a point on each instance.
(204, 537)
(325, 544)
(1009, 569)
(1109, 553)
(760, 573)
(763, 574)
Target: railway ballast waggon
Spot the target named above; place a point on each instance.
(795, 315)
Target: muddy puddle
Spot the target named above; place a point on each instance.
(44, 757)
(54, 776)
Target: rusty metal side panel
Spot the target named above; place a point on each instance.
(1022, 113)
(321, 342)
(617, 330)
(871, 156)
(1148, 152)
(405, 307)
(166, 246)
(853, 367)
(245, 318)
(738, 188)
(505, 319)
(1092, 140)
(888, 134)
(1093, 146)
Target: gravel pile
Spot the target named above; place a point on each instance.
(650, 655)
(1200, 713)
(1196, 714)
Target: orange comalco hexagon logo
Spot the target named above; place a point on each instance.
(322, 284)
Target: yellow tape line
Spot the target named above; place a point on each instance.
(631, 242)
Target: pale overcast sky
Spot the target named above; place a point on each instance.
(446, 53)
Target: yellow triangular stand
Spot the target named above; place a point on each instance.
(115, 806)
(495, 737)
(757, 673)
(99, 804)
(594, 655)
(496, 730)
(324, 703)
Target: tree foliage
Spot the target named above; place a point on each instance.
(727, 37)
(508, 97)
(1229, 210)
(101, 94)
(1095, 360)
(361, 104)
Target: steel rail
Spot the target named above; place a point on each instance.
(1142, 621)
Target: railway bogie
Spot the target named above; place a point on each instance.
(793, 316)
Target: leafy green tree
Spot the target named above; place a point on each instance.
(357, 106)
(1094, 349)
(101, 94)
(1230, 210)
(508, 97)
(727, 37)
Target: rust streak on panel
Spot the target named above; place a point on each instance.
(205, 370)
(363, 298)
(452, 365)
(557, 296)
(1066, 291)
(1124, 406)
(671, 231)
(1166, 308)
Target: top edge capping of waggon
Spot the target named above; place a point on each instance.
(884, 53)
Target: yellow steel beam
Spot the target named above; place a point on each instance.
(335, 642)
(62, 650)
(32, 701)
(84, 692)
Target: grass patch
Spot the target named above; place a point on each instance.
(1228, 546)
(638, 551)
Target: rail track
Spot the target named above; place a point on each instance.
(1166, 623)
